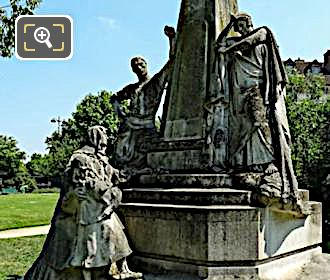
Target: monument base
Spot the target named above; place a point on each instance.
(283, 268)
(217, 234)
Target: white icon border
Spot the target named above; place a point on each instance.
(44, 59)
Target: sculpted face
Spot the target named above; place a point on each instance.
(139, 67)
(242, 26)
(103, 145)
(98, 138)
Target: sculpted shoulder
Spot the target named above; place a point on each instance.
(125, 93)
(128, 89)
(262, 33)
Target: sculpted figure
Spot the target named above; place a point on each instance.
(137, 127)
(251, 85)
(86, 235)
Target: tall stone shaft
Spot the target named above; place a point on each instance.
(200, 22)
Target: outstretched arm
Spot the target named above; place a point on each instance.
(170, 33)
(254, 38)
(222, 36)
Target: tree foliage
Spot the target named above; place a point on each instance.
(8, 16)
(38, 166)
(92, 110)
(308, 114)
(11, 162)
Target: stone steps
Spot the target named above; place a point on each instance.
(193, 196)
(187, 196)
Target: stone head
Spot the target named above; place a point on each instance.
(139, 67)
(97, 137)
(243, 24)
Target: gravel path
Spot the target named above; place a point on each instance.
(21, 232)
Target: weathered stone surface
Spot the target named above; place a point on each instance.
(200, 22)
(317, 267)
(203, 197)
(262, 196)
(175, 160)
(86, 237)
(184, 196)
(194, 233)
(227, 97)
(137, 124)
(284, 233)
(286, 268)
(220, 241)
(187, 180)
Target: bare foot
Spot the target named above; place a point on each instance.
(125, 273)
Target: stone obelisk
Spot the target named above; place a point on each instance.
(200, 23)
(184, 123)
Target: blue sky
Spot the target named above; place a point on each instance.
(107, 34)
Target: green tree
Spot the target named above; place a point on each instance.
(92, 110)
(308, 114)
(38, 166)
(11, 162)
(8, 15)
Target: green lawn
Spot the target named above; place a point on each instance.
(25, 210)
(18, 254)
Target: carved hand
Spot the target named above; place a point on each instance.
(232, 18)
(81, 193)
(222, 49)
(119, 110)
(169, 31)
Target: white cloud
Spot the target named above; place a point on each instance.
(109, 22)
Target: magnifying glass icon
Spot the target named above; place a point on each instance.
(42, 35)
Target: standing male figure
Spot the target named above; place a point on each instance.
(253, 78)
(137, 127)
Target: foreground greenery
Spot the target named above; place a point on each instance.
(18, 254)
(25, 210)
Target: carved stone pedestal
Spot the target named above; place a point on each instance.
(224, 237)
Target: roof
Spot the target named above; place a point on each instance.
(289, 62)
(315, 62)
(327, 53)
(301, 65)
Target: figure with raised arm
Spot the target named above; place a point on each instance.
(137, 126)
(252, 82)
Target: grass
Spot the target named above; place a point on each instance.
(18, 254)
(25, 210)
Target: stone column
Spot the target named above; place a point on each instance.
(200, 22)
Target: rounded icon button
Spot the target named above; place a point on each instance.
(42, 35)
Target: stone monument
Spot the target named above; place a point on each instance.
(86, 240)
(213, 195)
(220, 199)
